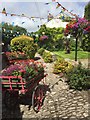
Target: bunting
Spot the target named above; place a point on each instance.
(4, 11)
(61, 11)
(2, 23)
(63, 8)
(63, 17)
(47, 3)
(54, 0)
(23, 22)
(12, 23)
(58, 5)
(50, 16)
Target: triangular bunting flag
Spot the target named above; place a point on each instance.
(23, 22)
(61, 12)
(4, 11)
(54, 0)
(13, 15)
(38, 26)
(23, 15)
(12, 23)
(63, 17)
(2, 23)
(47, 3)
(58, 5)
(63, 8)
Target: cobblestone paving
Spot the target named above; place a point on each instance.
(61, 103)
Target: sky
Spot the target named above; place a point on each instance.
(37, 8)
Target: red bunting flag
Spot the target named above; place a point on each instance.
(58, 5)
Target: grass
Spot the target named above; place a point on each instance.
(81, 54)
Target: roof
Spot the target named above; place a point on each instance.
(56, 23)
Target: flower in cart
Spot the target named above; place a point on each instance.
(11, 55)
(12, 70)
(27, 69)
(15, 55)
(32, 69)
(40, 67)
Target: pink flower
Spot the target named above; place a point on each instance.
(43, 37)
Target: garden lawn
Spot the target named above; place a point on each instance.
(81, 54)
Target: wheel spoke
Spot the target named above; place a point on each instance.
(37, 98)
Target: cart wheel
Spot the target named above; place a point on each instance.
(10, 99)
(37, 98)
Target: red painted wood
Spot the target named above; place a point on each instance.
(32, 83)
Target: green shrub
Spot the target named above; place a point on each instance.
(62, 66)
(24, 44)
(40, 51)
(47, 57)
(79, 78)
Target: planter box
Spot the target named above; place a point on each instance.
(17, 82)
(11, 82)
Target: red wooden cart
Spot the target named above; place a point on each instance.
(14, 86)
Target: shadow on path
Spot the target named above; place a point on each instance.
(23, 100)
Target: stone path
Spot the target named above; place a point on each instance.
(61, 103)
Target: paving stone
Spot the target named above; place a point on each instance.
(61, 102)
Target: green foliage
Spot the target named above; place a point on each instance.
(24, 44)
(81, 54)
(73, 44)
(85, 43)
(66, 19)
(9, 32)
(40, 51)
(27, 69)
(79, 78)
(58, 41)
(55, 38)
(47, 57)
(62, 66)
(87, 11)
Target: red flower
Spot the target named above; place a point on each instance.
(88, 29)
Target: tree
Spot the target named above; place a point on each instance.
(87, 11)
(9, 32)
(55, 38)
(24, 44)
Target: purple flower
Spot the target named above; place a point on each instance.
(82, 20)
(43, 37)
(11, 69)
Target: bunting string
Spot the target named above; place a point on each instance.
(63, 8)
(50, 16)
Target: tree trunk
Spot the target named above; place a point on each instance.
(76, 49)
